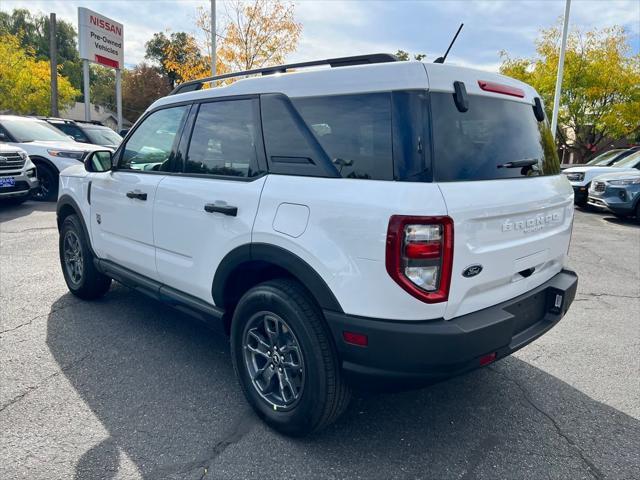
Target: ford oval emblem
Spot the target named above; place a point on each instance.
(472, 271)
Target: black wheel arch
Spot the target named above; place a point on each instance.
(38, 159)
(250, 264)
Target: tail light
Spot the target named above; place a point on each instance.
(419, 255)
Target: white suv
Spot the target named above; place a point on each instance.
(370, 223)
(17, 175)
(49, 149)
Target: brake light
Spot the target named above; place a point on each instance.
(501, 88)
(419, 255)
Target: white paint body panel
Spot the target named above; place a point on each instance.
(345, 238)
(125, 232)
(190, 243)
(506, 226)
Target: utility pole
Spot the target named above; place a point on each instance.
(119, 98)
(563, 47)
(53, 56)
(213, 38)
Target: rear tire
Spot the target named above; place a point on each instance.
(295, 393)
(47, 190)
(82, 277)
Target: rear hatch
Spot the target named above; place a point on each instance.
(498, 172)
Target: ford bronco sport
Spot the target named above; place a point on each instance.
(375, 222)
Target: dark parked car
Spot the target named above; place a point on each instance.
(86, 132)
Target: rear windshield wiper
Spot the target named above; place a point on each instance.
(527, 162)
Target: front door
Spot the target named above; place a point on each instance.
(122, 200)
(208, 210)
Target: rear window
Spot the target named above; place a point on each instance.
(486, 141)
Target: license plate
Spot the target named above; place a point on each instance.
(6, 182)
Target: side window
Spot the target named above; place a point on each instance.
(354, 130)
(74, 131)
(224, 139)
(151, 144)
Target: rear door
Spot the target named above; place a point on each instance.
(122, 200)
(498, 171)
(207, 208)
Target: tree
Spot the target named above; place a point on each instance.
(25, 81)
(600, 88)
(103, 86)
(256, 34)
(404, 56)
(184, 61)
(140, 88)
(33, 31)
(176, 49)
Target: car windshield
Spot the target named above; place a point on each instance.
(631, 161)
(103, 136)
(605, 157)
(29, 130)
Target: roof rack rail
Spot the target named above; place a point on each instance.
(194, 85)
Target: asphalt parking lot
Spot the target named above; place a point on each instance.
(125, 388)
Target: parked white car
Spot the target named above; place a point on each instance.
(581, 177)
(17, 175)
(49, 149)
(377, 221)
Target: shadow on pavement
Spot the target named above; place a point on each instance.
(11, 212)
(164, 389)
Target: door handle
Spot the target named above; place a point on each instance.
(221, 208)
(137, 194)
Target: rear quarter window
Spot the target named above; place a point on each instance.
(479, 144)
(354, 130)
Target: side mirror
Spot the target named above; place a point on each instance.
(98, 161)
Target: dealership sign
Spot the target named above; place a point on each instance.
(101, 40)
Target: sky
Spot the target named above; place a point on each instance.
(333, 28)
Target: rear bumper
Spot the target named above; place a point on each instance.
(410, 353)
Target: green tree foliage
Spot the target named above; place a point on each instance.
(600, 88)
(33, 31)
(404, 56)
(103, 86)
(177, 48)
(25, 81)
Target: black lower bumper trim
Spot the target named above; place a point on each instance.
(422, 352)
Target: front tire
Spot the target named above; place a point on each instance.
(47, 190)
(285, 359)
(76, 260)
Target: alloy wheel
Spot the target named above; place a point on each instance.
(73, 260)
(273, 359)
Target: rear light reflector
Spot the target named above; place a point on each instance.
(487, 359)
(353, 338)
(501, 88)
(419, 255)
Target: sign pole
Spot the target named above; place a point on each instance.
(556, 96)
(213, 38)
(87, 99)
(119, 97)
(53, 56)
